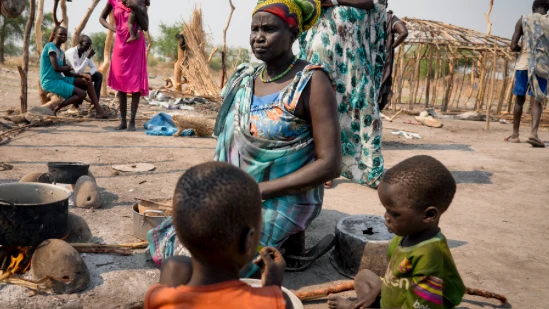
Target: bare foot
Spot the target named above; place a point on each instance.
(131, 127)
(131, 39)
(123, 126)
(102, 116)
(337, 302)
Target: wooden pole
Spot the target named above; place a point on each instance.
(24, 68)
(503, 86)
(415, 78)
(65, 22)
(78, 30)
(400, 81)
(488, 83)
(38, 28)
(224, 51)
(494, 65)
(396, 72)
(428, 85)
(488, 21)
(456, 103)
(449, 87)
(437, 77)
(472, 84)
(150, 42)
(106, 65)
(178, 69)
(481, 83)
(418, 79)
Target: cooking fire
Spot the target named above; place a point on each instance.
(15, 260)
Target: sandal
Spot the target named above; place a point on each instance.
(512, 139)
(314, 254)
(536, 142)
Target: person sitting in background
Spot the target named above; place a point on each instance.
(56, 76)
(421, 273)
(80, 58)
(217, 216)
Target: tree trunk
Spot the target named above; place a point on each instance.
(481, 90)
(438, 65)
(38, 28)
(224, 50)
(177, 70)
(83, 23)
(491, 96)
(106, 65)
(2, 40)
(65, 22)
(400, 79)
(24, 69)
(488, 21)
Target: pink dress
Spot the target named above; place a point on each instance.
(129, 60)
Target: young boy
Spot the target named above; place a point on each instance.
(139, 11)
(217, 217)
(421, 273)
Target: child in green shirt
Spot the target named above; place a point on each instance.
(421, 273)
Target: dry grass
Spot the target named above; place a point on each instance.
(195, 67)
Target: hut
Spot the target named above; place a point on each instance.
(444, 65)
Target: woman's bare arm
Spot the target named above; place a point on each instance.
(65, 69)
(103, 19)
(327, 138)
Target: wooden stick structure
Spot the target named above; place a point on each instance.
(491, 97)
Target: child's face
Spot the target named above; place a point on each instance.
(401, 218)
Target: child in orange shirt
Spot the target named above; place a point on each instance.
(217, 217)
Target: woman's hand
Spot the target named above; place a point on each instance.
(273, 266)
(87, 77)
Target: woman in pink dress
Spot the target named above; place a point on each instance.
(128, 72)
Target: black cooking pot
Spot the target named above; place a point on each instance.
(32, 212)
(68, 172)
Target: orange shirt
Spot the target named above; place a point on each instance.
(230, 294)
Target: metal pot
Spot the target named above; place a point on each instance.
(68, 172)
(32, 212)
(142, 223)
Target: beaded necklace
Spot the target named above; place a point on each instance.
(280, 75)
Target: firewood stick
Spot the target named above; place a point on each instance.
(344, 287)
(105, 251)
(350, 286)
(486, 294)
(137, 245)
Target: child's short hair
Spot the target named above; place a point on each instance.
(428, 182)
(540, 4)
(213, 205)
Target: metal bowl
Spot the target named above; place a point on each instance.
(68, 172)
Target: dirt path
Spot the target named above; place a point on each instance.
(496, 225)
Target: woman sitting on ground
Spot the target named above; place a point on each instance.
(56, 76)
(279, 123)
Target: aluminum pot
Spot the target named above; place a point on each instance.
(32, 212)
(143, 223)
(68, 172)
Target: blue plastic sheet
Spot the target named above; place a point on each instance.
(162, 125)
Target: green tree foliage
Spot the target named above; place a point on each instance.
(166, 43)
(98, 40)
(11, 30)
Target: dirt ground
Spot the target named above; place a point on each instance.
(496, 225)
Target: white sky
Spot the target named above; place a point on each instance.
(464, 13)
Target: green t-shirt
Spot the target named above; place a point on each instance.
(421, 277)
(47, 73)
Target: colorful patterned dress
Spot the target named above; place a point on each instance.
(269, 142)
(350, 43)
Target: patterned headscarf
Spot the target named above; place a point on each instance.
(301, 14)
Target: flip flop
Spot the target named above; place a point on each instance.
(512, 139)
(329, 184)
(535, 142)
(314, 254)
